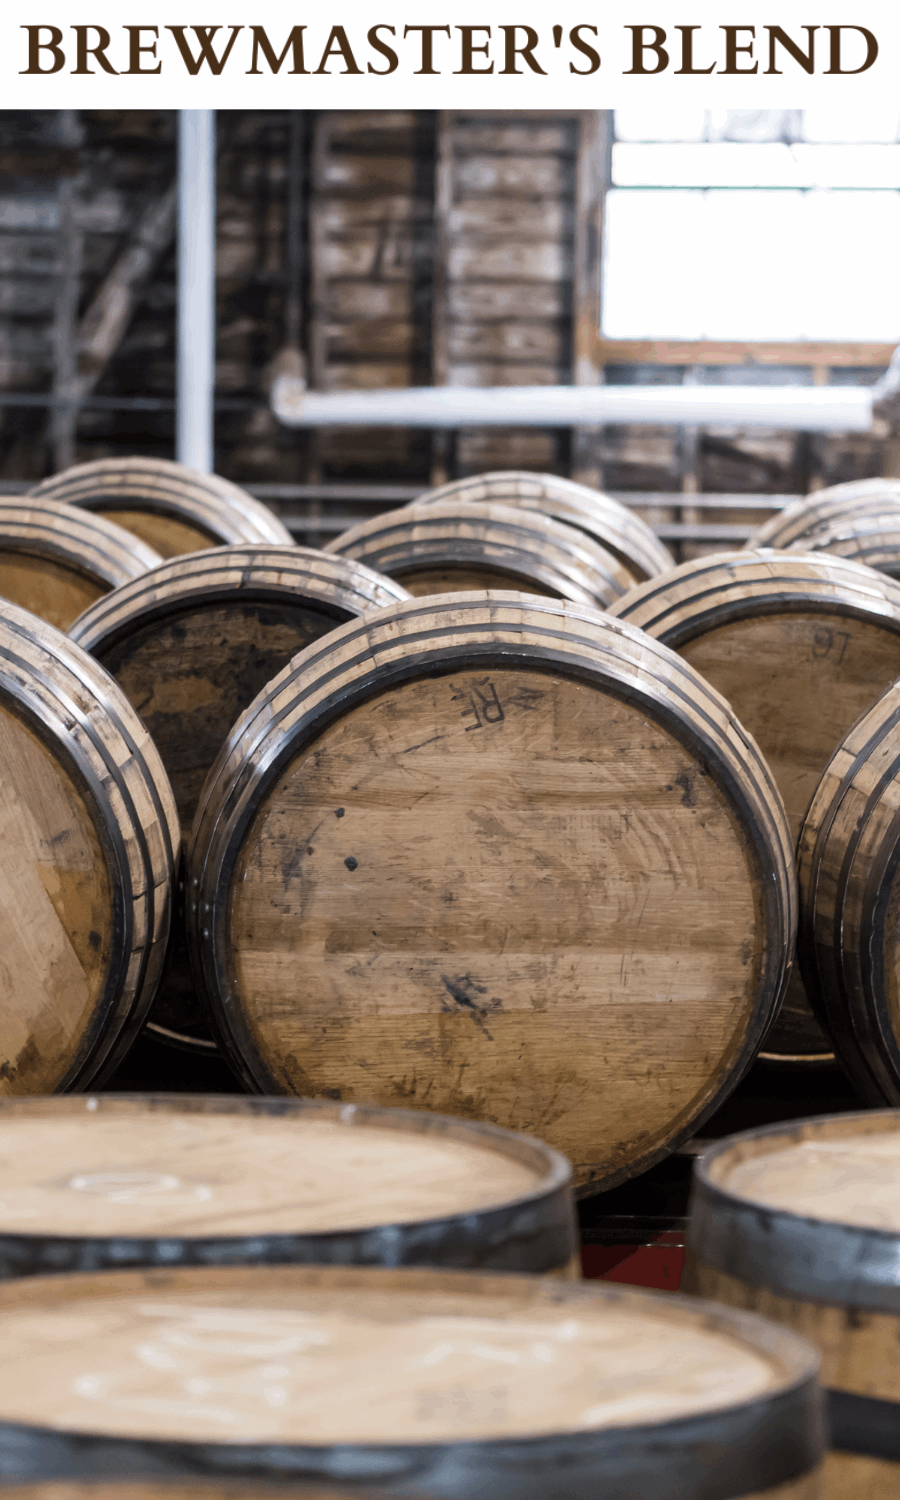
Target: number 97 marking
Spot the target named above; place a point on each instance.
(826, 641)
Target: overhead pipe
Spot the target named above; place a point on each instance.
(788, 408)
(196, 339)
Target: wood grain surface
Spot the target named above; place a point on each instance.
(174, 507)
(872, 538)
(56, 562)
(87, 832)
(458, 544)
(518, 877)
(818, 512)
(801, 645)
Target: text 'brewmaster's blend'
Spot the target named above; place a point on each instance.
(114, 1180)
(449, 1384)
(191, 644)
(501, 857)
(800, 645)
(801, 1223)
(88, 833)
(172, 507)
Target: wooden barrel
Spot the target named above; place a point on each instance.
(818, 512)
(870, 538)
(191, 644)
(87, 832)
(801, 1223)
(174, 508)
(144, 1180)
(448, 1383)
(500, 857)
(800, 645)
(442, 548)
(614, 526)
(57, 561)
(849, 947)
(183, 1489)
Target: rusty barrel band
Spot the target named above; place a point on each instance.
(867, 1425)
(812, 1260)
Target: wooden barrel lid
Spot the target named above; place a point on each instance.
(87, 832)
(55, 561)
(613, 525)
(870, 538)
(807, 518)
(809, 1210)
(501, 857)
(849, 853)
(442, 548)
(174, 508)
(800, 645)
(452, 1383)
(191, 644)
(115, 1180)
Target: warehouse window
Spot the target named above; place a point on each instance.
(763, 224)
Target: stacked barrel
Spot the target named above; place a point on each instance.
(471, 846)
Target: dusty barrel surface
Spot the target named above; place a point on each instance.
(849, 854)
(840, 504)
(191, 644)
(56, 562)
(499, 857)
(451, 1384)
(802, 1225)
(172, 507)
(88, 830)
(116, 1180)
(608, 522)
(450, 545)
(801, 645)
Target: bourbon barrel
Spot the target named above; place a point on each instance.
(88, 828)
(841, 503)
(613, 525)
(191, 644)
(148, 1180)
(55, 561)
(801, 1223)
(405, 1381)
(454, 544)
(849, 946)
(168, 505)
(800, 644)
(501, 857)
(870, 538)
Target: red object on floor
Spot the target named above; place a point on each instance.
(658, 1264)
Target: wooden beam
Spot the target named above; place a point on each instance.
(440, 304)
(592, 180)
(738, 352)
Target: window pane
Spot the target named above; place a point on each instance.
(726, 165)
(659, 123)
(830, 123)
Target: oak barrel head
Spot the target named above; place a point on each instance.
(613, 525)
(88, 831)
(840, 504)
(174, 508)
(110, 1181)
(801, 1223)
(848, 858)
(800, 644)
(500, 857)
(452, 545)
(191, 644)
(449, 1384)
(56, 562)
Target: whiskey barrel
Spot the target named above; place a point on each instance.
(444, 547)
(818, 512)
(801, 1223)
(800, 645)
(500, 857)
(613, 525)
(448, 1383)
(56, 561)
(87, 832)
(172, 507)
(849, 852)
(148, 1180)
(191, 644)
(873, 539)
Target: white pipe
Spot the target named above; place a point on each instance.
(196, 373)
(791, 408)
